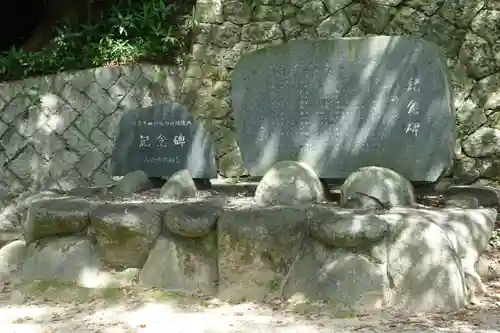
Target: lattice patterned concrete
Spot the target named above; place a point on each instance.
(59, 130)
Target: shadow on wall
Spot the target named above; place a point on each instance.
(58, 131)
(347, 104)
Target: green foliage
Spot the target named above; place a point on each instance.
(144, 31)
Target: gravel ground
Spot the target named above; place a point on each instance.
(66, 310)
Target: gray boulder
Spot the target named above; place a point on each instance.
(179, 186)
(256, 248)
(194, 219)
(289, 183)
(56, 216)
(67, 259)
(424, 269)
(485, 196)
(11, 257)
(345, 228)
(125, 233)
(132, 182)
(385, 185)
(182, 264)
(343, 278)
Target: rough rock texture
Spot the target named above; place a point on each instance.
(196, 219)
(131, 183)
(182, 263)
(60, 216)
(289, 183)
(381, 184)
(11, 257)
(255, 256)
(344, 228)
(425, 271)
(179, 186)
(59, 130)
(65, 259)
(125, 232)
(416, 259)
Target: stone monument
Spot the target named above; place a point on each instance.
(161, 140)
(342, 104)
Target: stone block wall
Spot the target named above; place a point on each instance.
(467, 30)
(60, 129)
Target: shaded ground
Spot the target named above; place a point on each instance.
(44, 308)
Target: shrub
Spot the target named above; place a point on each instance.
(144, 31)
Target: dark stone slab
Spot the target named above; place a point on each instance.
(342, 104)
(161, 140)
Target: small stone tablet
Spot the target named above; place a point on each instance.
(161, 140)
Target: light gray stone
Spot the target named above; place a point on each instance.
(256, 248)
(125, 233)
(483, 142)
(485, 24)
(461, 12)
(279, 114)
(423, 266)
(478, 56)
(11, 257)
(66, 259)
(470, 117)
(336, 25)
(182, 264)
(289, 183)
(179, 186)
(334, 5)
(486, 196)
(193, 220)
(346, 279)
(344, 228)
(486, 93)
(56, 217)
(131, 183)
(388, 187)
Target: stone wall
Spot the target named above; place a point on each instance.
(60, 129)
(467, 30)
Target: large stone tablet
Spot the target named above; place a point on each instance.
(161, 140)
(342, 104)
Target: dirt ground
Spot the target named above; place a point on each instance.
(50, 309)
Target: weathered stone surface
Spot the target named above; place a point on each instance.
(483, 142)
(461, 201)
(341, 277)
(424, 268)
(255, 255)
(382, 184)
(487, 92)
(125, 233)
(485, 195)
(14, 214)
(132, 182)
(179, 186)
(193, 220)
(161, 140)
(289, 183)
(67, 259)
(11, 256)
(292, 110)
(184, 264)
(56, 217)
(344, 228)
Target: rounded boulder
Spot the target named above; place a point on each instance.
(289, 183)
(382, 184)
